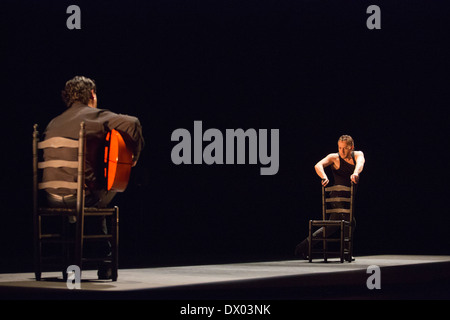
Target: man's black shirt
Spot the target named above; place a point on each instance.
(98, 123)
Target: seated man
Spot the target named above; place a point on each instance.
(80, 97)
(347, 164)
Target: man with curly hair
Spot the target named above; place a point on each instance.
(80, 97)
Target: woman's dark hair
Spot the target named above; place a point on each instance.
(78, 89)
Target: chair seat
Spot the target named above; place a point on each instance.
(329, 222)
(90, 211)
(330, 239)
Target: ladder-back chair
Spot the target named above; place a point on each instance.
(335, 200)
(81, 214)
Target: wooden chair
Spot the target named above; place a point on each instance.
(42, 213)
(343, 203)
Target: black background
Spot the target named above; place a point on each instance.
(311, 69)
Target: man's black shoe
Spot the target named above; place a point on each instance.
(104, 273)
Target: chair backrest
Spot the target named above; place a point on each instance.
(59, 142)
(338, 199)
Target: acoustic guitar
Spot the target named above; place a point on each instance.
(118, 162)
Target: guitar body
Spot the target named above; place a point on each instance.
(118, 162)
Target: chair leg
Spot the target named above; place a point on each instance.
(37, 249)
(65, 245)
(115, 245)
(342, 241)
(350, 244)
(310, 241)
(37, 261)
(325, 244)
(79, 235)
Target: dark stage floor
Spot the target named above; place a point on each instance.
(401, 277)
